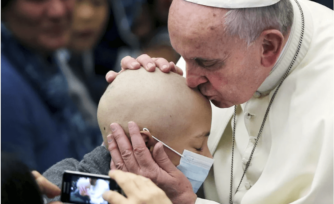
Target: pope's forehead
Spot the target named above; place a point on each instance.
(194, 16)
(197, 30)
(198, 39)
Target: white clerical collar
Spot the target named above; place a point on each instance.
(289, 51)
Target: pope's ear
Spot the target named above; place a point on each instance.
(272, 45)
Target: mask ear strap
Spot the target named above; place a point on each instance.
(145, 129)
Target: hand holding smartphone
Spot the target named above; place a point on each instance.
(80, 188)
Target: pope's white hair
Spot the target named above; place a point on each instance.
(249, 23)
(83, 182)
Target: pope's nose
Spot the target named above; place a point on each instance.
(193, 81)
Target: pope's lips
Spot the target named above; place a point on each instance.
(206, 94)
(208, 97)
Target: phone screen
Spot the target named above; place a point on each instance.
(86, 188)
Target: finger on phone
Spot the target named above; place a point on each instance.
(114, 197)
(147, 62)
(46, 187)
(125, 148)
(126, 181)
(144, 182)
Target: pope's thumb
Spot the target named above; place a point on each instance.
(161, 158)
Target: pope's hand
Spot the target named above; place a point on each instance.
(138, 190)
(147, 62)
(46, 187)
(136, 158)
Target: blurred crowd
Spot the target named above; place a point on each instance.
(54, 57)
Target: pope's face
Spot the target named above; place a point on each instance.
(223, 68)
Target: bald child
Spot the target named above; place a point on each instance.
(153, 100)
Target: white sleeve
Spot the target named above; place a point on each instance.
(182, 64)
(203, 201)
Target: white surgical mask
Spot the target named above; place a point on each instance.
(194, 166)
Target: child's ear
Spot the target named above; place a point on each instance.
(149, 141)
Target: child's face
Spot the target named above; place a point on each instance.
(193, 135)
(195, 143)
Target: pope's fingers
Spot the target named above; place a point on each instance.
(141, 152)
(117, 160)
(129, 63)
(161, 158)
(114, 198)
(125, 149)
(147, 62)
(163, 65)
(110, 76)
(112, 165)
(175, 69)
(46, 187)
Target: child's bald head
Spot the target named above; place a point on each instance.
(161, 102)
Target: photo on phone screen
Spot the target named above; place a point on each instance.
(80, 187)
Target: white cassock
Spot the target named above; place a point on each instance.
(96, 191)
(293, 160)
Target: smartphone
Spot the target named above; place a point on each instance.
(79, 187)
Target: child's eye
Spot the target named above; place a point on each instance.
(199, 149)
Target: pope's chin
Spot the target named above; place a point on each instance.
(217, 103)
(221, 104)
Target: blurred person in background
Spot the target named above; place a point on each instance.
(18, 185)
(134, 27)
(40, 122)
(150, 27)
(327, 3)
(77, 61)
(100, 36)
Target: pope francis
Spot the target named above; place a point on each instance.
(267, 68)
